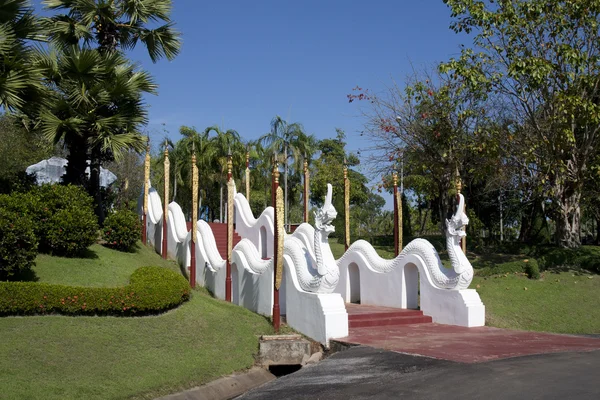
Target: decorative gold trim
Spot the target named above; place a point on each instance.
(248, 184)
(280, 237)
(167, 172)
(230, 189)
(399, 205)
(194, 197)
(346, 208)
(146, 178)
(306, 189)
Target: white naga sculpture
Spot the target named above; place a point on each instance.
(307, 250)
(458, 277)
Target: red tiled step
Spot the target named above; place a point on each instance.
(382, 321)
(370, 316)
(220, 233)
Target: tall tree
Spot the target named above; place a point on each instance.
(328, 168)
(115, 24)
(290, 142)
(109, 27)
(541, 59)
(20, 79)
(96, 104)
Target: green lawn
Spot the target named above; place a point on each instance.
(59, 357)
(562, 302)
(101, 266)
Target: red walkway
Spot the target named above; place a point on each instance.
(455, 343)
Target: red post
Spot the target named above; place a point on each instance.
(396, 227)
(144, 229)
(164, 240)
(193, 260)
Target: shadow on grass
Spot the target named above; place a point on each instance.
(27, 275)
(132, 250)
(87, 254)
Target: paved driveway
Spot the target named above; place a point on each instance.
(367, 373)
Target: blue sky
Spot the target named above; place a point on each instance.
(243, 62)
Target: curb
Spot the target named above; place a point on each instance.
(225, 388)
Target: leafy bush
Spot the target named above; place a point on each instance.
(532, 269)
(18, 244)
(70, 231)
(63, 218)
(151, 290)
(122, 230)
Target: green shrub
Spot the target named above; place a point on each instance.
(532, 269)
(18, 244)
(122, 230)
(63, 218)
(150, 290)
(70, 231)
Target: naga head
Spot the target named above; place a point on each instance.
(455, 225)
(326, 214)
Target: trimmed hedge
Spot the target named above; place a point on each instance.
(150, 290)
(529, 266)
(122, 230)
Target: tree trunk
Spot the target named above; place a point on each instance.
(94, 187)
(76, 161)
(568, 196)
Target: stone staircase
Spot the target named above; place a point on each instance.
(361, 316)
(220, 232)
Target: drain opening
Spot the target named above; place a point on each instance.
(282, 370)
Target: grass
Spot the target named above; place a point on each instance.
(563, 302)
(99, 267)
(59, 357)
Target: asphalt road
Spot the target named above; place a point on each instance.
(368, 373)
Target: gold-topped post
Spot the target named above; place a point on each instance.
(397, 216)
(463, 240)
(306, 188)
(278, 243)
(346, 206)
(166, 202)
(146, 189)
(194, 218)
(229, 225)
(248, 173)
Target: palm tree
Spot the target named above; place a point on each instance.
(289, 141)
(109, 25)
(225, 143)
(95, 107)
(20, 79)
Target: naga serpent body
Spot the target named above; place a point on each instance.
(457, 277)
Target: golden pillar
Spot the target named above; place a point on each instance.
(306, 188)
(248, 176)
(463, 240)
(230, 187)
(166, 202)
(146, 189)
(278, 243)
(194, 219)
(346, 207)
